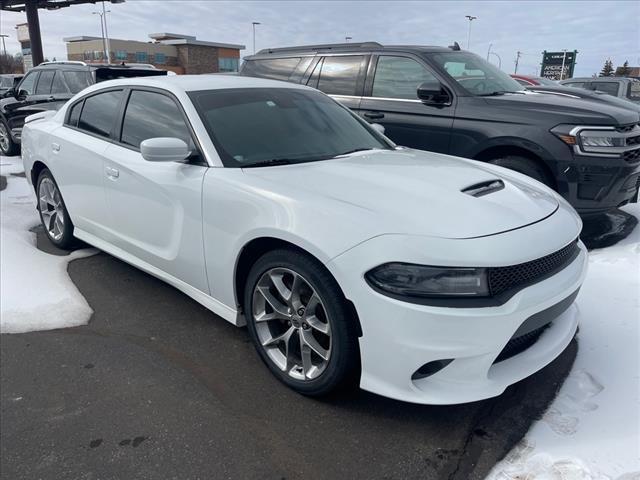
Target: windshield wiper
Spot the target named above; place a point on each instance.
(492, 94)
(362, 149)
(269, 163)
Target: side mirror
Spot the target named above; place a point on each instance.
(164, 149)
(433, 93)
(378, 128)
(21, 94)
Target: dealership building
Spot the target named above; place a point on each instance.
(170, 51)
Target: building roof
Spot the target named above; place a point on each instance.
(80, 38)
(164, 39)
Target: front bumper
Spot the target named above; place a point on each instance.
(400, 337)
(596, 184)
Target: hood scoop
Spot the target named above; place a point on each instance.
(484, 188)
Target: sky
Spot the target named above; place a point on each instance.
(597, 29)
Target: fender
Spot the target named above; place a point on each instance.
(514, 142)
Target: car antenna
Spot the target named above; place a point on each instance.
(455, 46)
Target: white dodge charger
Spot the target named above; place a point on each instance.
(427, 278)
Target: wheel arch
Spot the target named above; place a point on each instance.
(257, 247)
(37, 167)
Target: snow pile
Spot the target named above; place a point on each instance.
(592, 429)
(36, 292)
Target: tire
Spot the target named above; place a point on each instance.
(8, 147)
(330, 328)
(53, 212)
(526, 166)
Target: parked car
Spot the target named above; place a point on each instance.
(47, 87)
(627, 88)
(527, 80)
(451, 101)
(9, 81)
(593, 95)
(432, 279)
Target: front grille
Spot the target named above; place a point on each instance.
(632, 156)
(627, 128)
(503, 279)
(520, 344)
(633, 140)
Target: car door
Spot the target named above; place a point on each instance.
(17, 108)
(391, 100)
(77, 158)
(155, 208)
(341, 77)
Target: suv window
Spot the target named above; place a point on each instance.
(277, 68)
(58, 85)
(574, 84)
(339, 75)
(607, 87)
(44, 82)
(399, 77)
(29, 82)
(99, 113)
(77, 80)
(150, 115)
(634, 91)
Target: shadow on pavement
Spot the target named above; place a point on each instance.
(606, 229)
(156, 386)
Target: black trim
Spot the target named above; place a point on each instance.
(546, 316)
(481, 302)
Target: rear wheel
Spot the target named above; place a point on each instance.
(526, 166)
(7, 146)
(300, 324)
(53, 212)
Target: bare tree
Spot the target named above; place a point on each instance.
(10, 64)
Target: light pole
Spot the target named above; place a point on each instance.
(254, 35)
(106, 33)
(4, 47)
(346, 39)
(564, 57)
(518, 55)
(499, 60)
(471, 18)
(104, 43)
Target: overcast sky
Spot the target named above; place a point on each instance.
(597, 29)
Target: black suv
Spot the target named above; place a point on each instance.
(47, 87)
(452, 101)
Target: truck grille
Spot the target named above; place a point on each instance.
(632, 156)
(503, 279)
(627, 128)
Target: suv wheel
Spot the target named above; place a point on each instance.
(526, 166)
(7, 146)
(53, 212)
(299, 322)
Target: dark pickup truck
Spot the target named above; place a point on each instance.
(47, 87)
(447, 100)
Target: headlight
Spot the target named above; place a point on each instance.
(587, 140)
(411, 280)
(595, 138)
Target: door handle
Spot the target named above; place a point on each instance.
(55, 147)
(374, 115)
(112, 172)
(51, 99)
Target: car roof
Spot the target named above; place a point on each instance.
(191, 83)
(595, 79)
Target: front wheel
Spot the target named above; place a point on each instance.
(526, 166)
(53, 212)
(7, 146)
(300, 324)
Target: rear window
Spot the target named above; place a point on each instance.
(77, 81)
(99, 113)
(607, 87)
(277, 68)
(634, 91)
(339, 75)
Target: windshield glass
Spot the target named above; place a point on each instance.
(253, 126)
(474, 74)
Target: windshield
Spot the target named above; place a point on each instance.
(474, 74)
(259, 126)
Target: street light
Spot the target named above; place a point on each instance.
(254, 35)
(346, 39)
(104, 43)
(4, 47)
(471, 18)
(106, 32)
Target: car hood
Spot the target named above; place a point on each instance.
(567, 109)
(413, 192)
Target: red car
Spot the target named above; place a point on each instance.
(528, 80)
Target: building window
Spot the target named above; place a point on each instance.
(121, 55)
(88, 55)
(97, 55)
(227, 64)
(160, 58)
(142, 57)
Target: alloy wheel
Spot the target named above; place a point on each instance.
(51, 209)
(292, 323)
(4, 138)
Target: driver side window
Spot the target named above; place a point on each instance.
(399, 77)
(28, 83)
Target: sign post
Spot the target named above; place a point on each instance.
(558, 65)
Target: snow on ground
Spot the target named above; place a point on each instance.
(35, 291)
(592, 429)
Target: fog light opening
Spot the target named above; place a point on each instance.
(430, 368)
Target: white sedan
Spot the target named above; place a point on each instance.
(423, 277)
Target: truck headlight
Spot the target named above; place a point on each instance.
(602, 140)
(410, 280)
(596, 138)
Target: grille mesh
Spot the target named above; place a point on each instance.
(502, 279)
(520, 344)
(632, 155)
(627, 128)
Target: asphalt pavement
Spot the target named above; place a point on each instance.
(156, 386)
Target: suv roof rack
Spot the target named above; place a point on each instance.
(62, 62)
(325, 46)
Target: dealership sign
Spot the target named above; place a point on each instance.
(558, 65)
